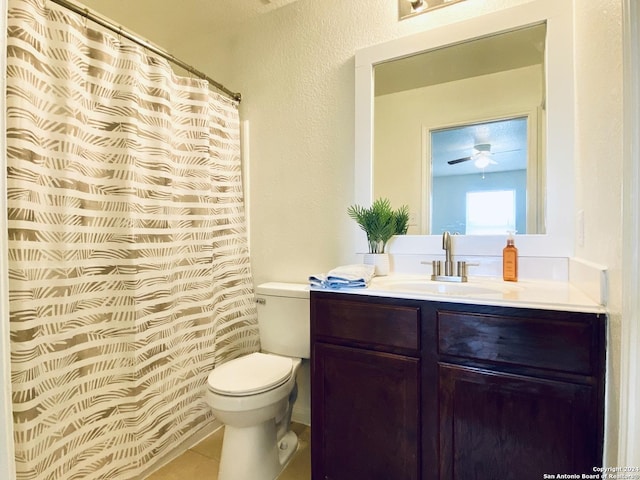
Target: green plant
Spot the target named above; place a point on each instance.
(380, 222)
(402, 220)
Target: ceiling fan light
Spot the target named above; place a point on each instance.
(482, 159)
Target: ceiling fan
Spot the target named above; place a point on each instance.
(482, 156)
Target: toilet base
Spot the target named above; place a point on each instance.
(287, 447)
(252, 453)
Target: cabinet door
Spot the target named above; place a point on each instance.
(365, 414)
(503, 426)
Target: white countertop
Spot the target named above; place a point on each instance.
(539, 294)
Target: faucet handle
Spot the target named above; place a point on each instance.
(436, 266)
(463, 267)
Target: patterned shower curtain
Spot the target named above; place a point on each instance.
(129, 269)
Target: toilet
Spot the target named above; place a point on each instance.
(253, 395)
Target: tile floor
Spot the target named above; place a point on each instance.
(201, 461)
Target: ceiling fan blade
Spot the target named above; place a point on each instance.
(459, 160)
(505, 151)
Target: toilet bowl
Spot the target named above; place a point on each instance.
(253, 395)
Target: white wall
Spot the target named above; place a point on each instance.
(629, 451)
(599, 155)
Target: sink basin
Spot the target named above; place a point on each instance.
(427, 286)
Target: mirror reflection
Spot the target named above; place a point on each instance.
(457, 135)
(479, 177)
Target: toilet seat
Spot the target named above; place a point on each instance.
(251, 374)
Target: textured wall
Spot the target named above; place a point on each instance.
(599, 168)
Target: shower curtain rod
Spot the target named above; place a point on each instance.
(85, 12)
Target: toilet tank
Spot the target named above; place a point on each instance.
(283, 318)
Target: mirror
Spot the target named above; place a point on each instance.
(550, 124)
(480, 100)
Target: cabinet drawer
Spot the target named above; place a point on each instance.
(557, 344)
(391, 326)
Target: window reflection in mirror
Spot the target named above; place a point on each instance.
(479, 177)
(471, 84)
(490, 212)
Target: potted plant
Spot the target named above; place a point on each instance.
(380, 222)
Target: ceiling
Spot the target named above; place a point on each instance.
(507, 141)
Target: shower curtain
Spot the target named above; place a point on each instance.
(128, 260)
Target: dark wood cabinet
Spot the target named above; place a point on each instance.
(495, 425)
(520, 392)
(366, 390)
(365, 393)
(408, 389)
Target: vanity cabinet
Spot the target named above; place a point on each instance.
(413, 389)
(366, 367)
(520, 392)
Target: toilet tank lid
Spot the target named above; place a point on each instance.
(283, 289)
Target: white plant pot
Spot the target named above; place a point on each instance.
(380, 261)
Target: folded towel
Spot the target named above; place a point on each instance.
(346, 276)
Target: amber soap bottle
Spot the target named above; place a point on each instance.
(510, 261)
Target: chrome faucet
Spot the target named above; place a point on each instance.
(446, 246)
(449, 274)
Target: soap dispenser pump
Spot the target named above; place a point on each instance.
(510, 260)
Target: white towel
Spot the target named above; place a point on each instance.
(346, 276)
